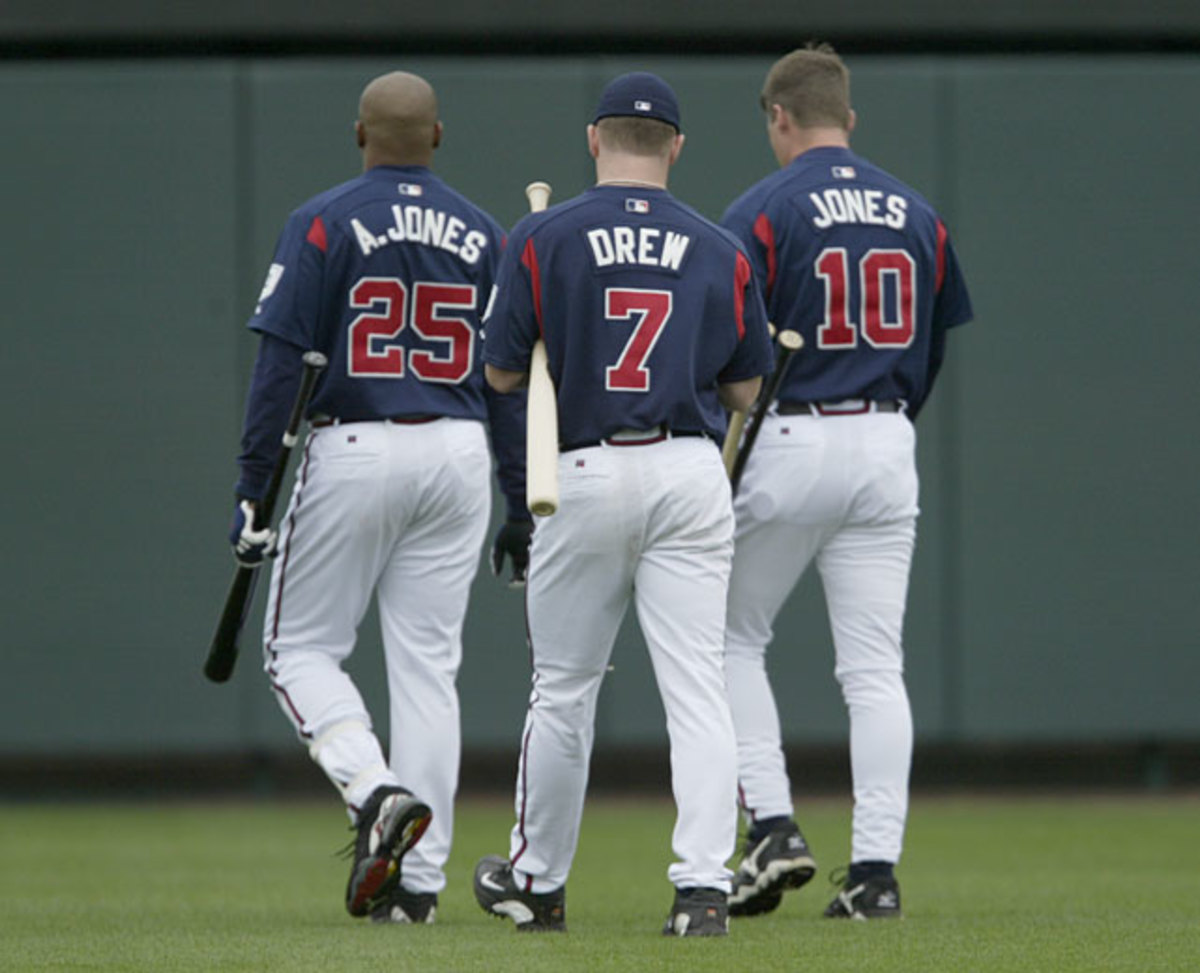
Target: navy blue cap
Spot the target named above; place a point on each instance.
(639, 95)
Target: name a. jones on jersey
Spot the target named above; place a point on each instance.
(429, 227)
(645, 245)
(846, 205)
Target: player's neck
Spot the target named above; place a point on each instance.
(801, 140)
(644, 173)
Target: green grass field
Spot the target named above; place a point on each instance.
(997, 885)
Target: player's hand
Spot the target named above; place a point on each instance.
(250, 546)
(513, 540)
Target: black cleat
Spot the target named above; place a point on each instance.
(698, 912)
(497, 894)
(390, 823)
(874, 898)
(780, 860)
(407, 908)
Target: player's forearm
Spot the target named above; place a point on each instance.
(273, 387)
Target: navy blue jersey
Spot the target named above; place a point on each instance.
(861, 266)
(644, 305)
(387, 275)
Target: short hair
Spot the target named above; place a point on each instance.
(636, 136)
(812, 85)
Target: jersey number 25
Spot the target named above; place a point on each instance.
(384, 303)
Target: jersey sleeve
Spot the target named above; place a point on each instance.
(755, 231)
(506, 427)
(512, 322)
(290, 301)
(273, 387)
(952, 305)
(753, 356)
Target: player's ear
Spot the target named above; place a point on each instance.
(437, 134)
(593, 141)
(852, 122)
(360, 135)
(676, 147)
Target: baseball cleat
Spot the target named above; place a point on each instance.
(698, 912)
(778, 861)
(497, 894)
(391, 822)
(874, 898)
(407, 908)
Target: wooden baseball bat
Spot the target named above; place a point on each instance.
(733, 435)
(789, 343)
(541, 430)
(223, 652)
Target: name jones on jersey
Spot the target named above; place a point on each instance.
(859, 206)
(430, 227)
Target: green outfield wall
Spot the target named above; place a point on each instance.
(1055, 587)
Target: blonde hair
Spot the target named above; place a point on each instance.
(812, 85)
(635, 136)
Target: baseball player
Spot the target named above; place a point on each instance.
(862, 267)
(387, 275)
(651, 321)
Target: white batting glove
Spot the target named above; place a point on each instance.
(250, 546)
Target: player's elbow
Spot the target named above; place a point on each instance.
(739, 396)
(503, 380)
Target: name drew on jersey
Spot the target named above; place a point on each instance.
(421, 224)
(646, 246)
(847, 205)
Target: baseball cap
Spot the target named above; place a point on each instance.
(639, 95)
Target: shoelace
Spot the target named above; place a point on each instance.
(839, 876)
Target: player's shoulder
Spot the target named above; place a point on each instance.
(718, 235)
(327, 200)
(459, 200)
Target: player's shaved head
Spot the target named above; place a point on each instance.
(812, 85)
(398, 120)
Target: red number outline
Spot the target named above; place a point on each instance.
(386, 310)
(878, 269)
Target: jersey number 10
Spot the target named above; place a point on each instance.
(888, 289)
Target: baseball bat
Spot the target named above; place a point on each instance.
(541, 430)
(733, 435)
(223, 652)
(789, 343)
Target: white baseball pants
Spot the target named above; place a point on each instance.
(400, 511)
(840, 491)
(653, 524)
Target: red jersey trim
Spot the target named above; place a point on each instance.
(741, 279)
(941, 256)
(529, 259)
(765, 233)
(316, 235)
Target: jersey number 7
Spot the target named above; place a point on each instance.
(651, 309)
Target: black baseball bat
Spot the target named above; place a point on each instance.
(789, 343)
(223, 652)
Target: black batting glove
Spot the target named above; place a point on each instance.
(512, 539)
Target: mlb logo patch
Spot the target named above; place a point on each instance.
(580, 464)
(637, 206)
(409, 189)
(844, 172)
(642, 106)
